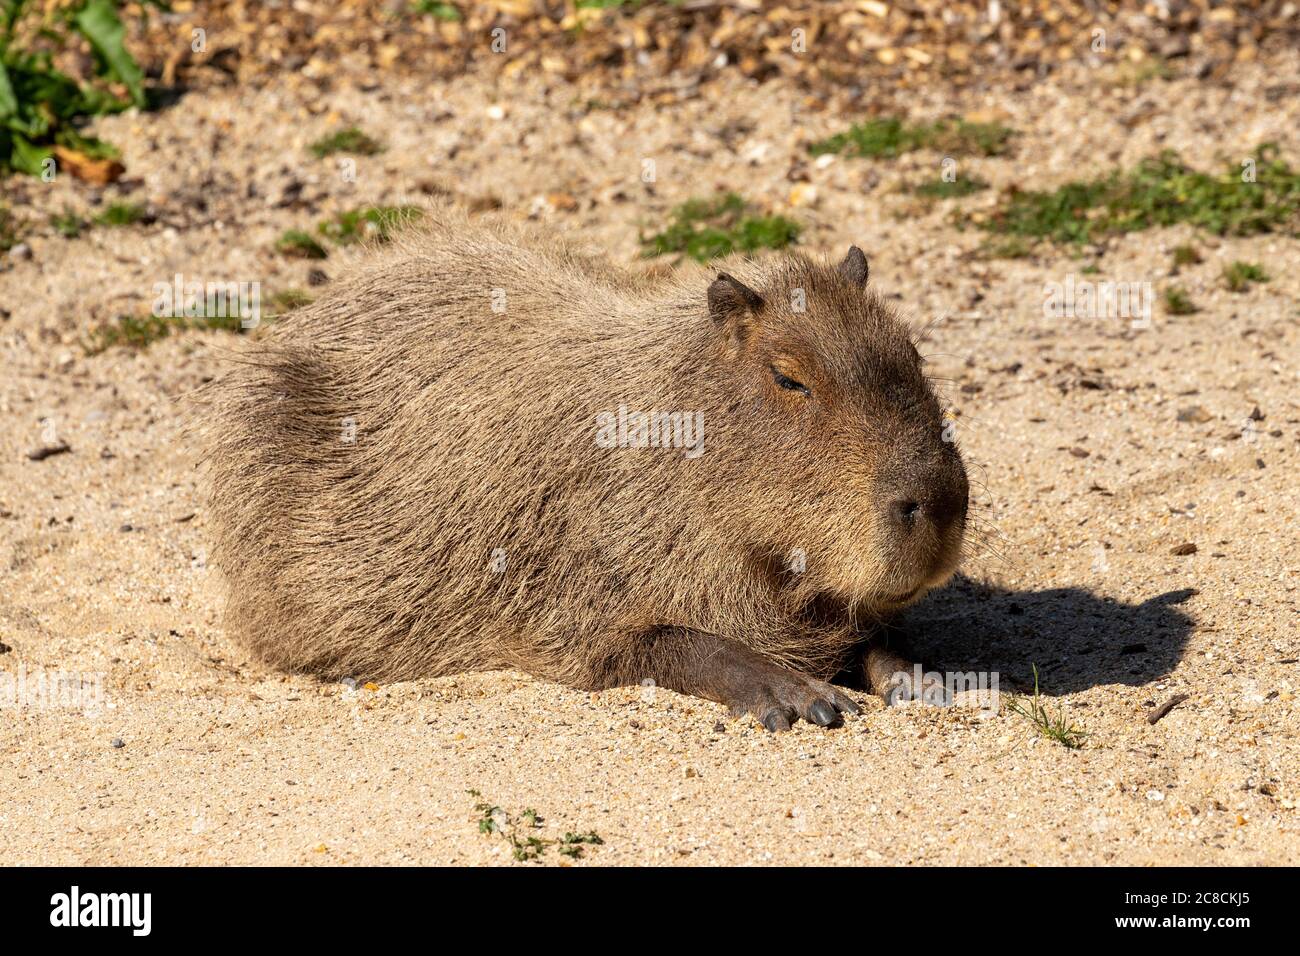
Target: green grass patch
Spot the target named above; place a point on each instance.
(120, 214)
(1185, 255)
(1178, 301)
(438, 10)
(297, 244)
(129, 331)
(957, 189)
(1159, 192)
(69, 224)
(706, 229)
(521, 832)
(1239, 275)
(1054, 726)
(890, 137)
(141, 331)
(377, 223)
(350, 140)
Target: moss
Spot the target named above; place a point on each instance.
(300, 245)
(1159, 192)
(120, 214)
(890, 137)
(707, 229)
(1240, 275)
(350, 140)
(1178, 302)
(370, 222)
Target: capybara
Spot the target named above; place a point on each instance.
(485, 450)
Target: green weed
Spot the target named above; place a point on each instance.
(120, 214)
(1159, 192)
(1239, 275)
(350, 140)
(1178, 302)
(1054, 726)
(371, 222)
(297, 244)
(706, 229)
(525, 844)
(890, 137)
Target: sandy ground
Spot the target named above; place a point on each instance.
(1086, 479)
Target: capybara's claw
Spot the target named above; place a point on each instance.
(783, 696)
(775, 720)
(822, 713)
(845, 704)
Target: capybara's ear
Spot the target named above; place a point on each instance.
(854, 267)
(731, 301)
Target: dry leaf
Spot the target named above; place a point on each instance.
(100, 172)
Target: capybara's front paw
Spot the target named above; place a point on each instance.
(902, 687)
(778, 697)
(898, 680)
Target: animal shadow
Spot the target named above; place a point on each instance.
(1075, 638)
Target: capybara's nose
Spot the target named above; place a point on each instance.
(931, 499)
(937, 512)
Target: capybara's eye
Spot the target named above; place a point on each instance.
(788, 383)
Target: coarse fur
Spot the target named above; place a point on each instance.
(406, 479)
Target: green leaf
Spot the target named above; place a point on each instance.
(27, 158)
(88, 146)
(8, 102)
(98, 22)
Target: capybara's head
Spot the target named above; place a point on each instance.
(855, 470)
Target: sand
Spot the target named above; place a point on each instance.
(179, 749)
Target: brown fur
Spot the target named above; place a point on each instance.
(475, 431)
